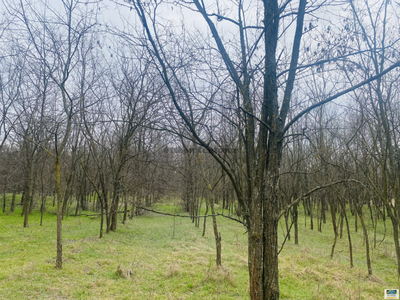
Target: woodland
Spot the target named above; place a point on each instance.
(257, 114)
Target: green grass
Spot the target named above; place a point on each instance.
(182, 267)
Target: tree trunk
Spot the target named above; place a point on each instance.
(205, 219)
(323, 210)
(42, 207)
(59, 212)
(102, 218)
(343, 205)
(355, 222)
(115, 203)
(335, 231)
(4, 201)
(125, 211)
(255, 246)
(341, 225)
(296, 227)
(319, 215)
(366, 242)
(310, 209)
(271, 275)
(217, 235)
(27, 196)
(12, 208)
(77, 207)
(395, 225)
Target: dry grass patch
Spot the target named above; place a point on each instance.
(220, 275)
(172, 270)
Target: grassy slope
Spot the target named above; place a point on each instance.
(179, 268)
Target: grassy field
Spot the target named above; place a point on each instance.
(168, 263)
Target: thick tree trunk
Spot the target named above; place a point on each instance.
(255, 263)
(270, 225)
(271, 275)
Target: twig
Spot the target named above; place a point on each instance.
(284, 241)
(233, 219)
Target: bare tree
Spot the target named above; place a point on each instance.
(252, 62)
(56, 34)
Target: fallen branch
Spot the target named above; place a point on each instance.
(165, 214)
